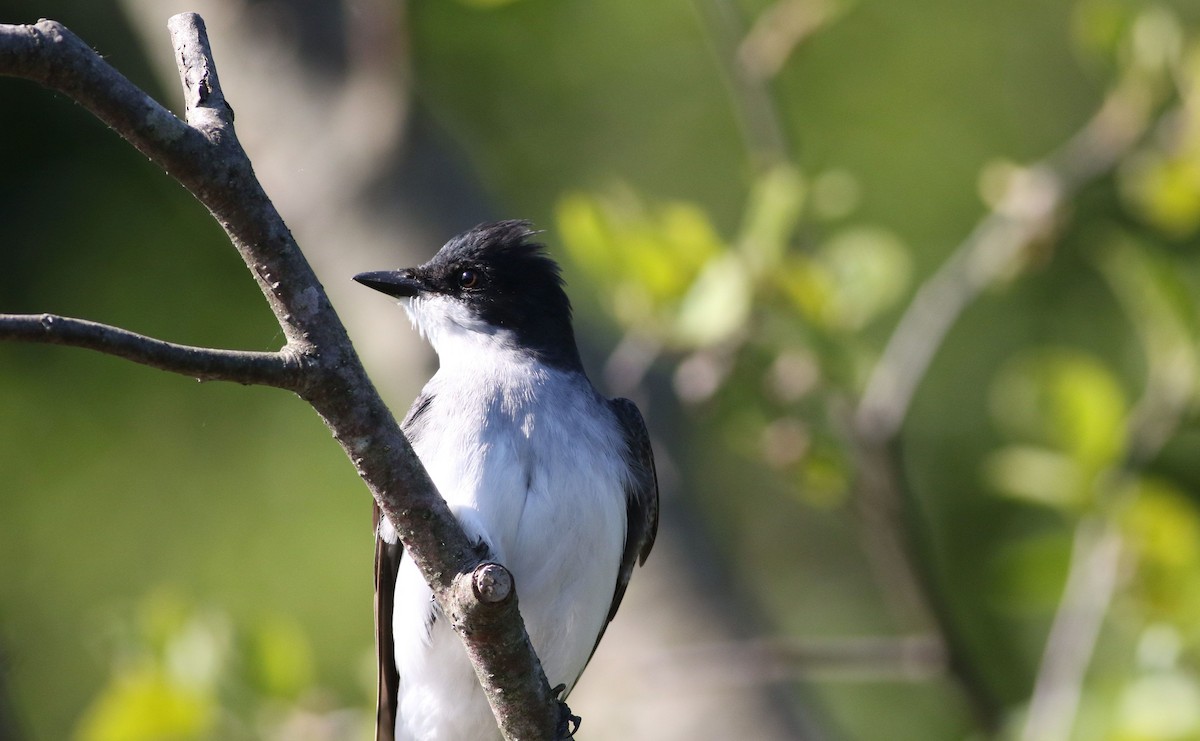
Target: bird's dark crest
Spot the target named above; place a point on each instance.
(520, 286)
(510, 238)
(499, 244)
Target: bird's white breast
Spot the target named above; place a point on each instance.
(530, 459)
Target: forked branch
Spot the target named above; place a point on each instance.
(317, 362)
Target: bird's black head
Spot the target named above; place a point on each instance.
(493, 282)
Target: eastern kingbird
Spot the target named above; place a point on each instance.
(548, 477)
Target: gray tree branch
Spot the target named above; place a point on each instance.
(280, 369)
(317, 362)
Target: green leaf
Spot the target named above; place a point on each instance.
(689, 235)
(869, 271)
(1039, 475)
(1162, 528)
(142, 703)
(717, 305)
(808, 286)
(1161, 706)
(648, 262)
(1164, 190)
(1162, 307)
(1066, 400)
(772, 213)
(585, 235)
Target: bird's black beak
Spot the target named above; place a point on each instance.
(398, 283)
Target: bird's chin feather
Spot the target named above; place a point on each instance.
(457, 334)
(413, 310)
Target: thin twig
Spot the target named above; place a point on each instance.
(766, 660)
(281, 369)
(754, 105)
(779, 30)
(903, 566)
(1091, 583)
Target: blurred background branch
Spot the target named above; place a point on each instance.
(1087, 595)
(1027, 202)
(1026, 211)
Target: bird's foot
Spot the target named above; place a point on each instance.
(568, 723)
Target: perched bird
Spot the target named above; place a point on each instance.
(547, 476)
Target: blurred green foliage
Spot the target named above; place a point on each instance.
(765, 288)
(772, 323)
(185, 673)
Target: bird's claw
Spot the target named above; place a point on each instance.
(568, 723)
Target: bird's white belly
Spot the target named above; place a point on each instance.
(544, 492)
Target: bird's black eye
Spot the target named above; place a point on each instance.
(468, 278)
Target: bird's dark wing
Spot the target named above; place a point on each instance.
(641, 495)
(641, 500)
(387, 564)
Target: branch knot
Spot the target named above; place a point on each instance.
(492, 582)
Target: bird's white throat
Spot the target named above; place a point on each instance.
(458, 335)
